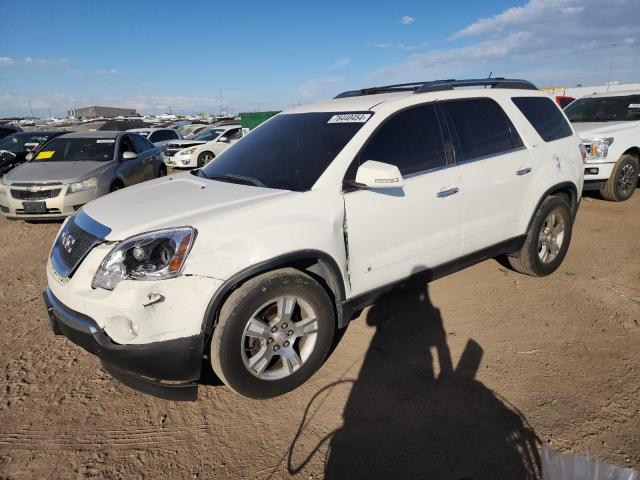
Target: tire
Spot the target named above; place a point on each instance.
(234, 352)
(542, 253)
(116, 186)
(623, 180)
(204, 158)
(162, 171)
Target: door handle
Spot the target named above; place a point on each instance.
(448, 192)
(523, 171)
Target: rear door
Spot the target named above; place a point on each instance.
(394, 233)
(495, 167)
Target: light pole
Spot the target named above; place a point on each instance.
(613, 52)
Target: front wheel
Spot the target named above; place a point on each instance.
(204, 158)
(547, 240)
(162, 171)
(273, 333)
(623, 180)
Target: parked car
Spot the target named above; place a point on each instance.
(256, 261)
(160, 137)
(74, 169)
(6, 130)
(609, 124)
(564, 100)
(203, 148)
(15, 148)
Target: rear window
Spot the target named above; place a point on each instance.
(480, 128)
(544, 115)
(76, 149)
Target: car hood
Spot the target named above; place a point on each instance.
(64, 172)
(184, 143)
(180, 200)
(602, 129)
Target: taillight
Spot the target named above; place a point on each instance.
(583, 152)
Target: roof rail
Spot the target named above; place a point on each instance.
(440, 85)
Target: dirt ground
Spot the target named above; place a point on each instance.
(460, 379)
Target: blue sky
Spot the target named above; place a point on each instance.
(153, 55)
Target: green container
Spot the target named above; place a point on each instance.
(251, 120)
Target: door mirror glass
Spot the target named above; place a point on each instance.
(28, 157)
(223, 139)
(372, 174)
(129, 156)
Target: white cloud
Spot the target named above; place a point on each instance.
(407, 20)
(319, 88)
(343, 62)
(552, 40)
(107, 71)
(46, 61)
(6, 61)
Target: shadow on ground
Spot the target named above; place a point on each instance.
(411, 414)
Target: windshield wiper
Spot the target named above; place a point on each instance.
(236, 179)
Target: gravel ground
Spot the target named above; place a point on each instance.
(463, 378)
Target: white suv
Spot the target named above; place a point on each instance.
(257, 261)
(609, 124)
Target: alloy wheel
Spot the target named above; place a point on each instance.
(551, 237)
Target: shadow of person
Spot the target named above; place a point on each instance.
(410, 414)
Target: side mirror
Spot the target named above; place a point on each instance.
(223, 139)
(28, 157)
(129, 156)
(372, 174)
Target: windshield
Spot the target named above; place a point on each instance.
(290, 151)
(605, 109)
(76, 149)
(20, 142)
(210, 134)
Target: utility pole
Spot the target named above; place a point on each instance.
(613, 52)
(31, 108)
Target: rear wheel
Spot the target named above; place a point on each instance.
(274, 332)
(623, 180)
(204, 158)
(547, 241)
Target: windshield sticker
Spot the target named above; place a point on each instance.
(106, 140)
(634, 105)
(350, 118)
(45, 154)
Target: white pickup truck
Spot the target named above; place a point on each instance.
(609, 125)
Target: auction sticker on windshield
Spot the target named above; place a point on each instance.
(45, 154)
(106, 140)
(350, 118)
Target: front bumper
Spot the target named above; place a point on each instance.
(60, 206)
(145, 367)
(180, 161)
(597, 171)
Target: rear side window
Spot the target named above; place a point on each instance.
(163, 135)
(479, 128)
(140, 143)
(411, 140)
(545, 117)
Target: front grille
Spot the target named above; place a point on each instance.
(46, 184)
(50, 211)
(170, 152)
(71, 246)
(29, 195)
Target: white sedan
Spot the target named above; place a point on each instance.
(202, 149)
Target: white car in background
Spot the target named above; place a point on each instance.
(203, 148)
(158, 136)
(609, 125)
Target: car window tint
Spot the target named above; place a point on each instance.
(233, 134)
(480, 128)
(410, 140)
(139, 143)
(126, 145)
(544, 116)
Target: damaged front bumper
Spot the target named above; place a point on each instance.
(166, 369)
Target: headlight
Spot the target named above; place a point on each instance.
(83, 185)
(151, 256)
(188, 151)
(599, 147)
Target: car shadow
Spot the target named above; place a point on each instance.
(411, 414)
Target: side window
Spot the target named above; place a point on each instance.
(126, 145)
(139, 143)
(480, 128)
(149, 144)
(410, 140)
(233, 133)
(545, 117)
(156, 137)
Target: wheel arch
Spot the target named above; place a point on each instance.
(635, 151)
(568, 190)
(319, 265)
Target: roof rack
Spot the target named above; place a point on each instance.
(440, 85)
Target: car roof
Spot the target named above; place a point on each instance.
(42, 132)
(149, 130)
(94, 134)
(620, 93)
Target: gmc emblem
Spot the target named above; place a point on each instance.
(68, 241)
